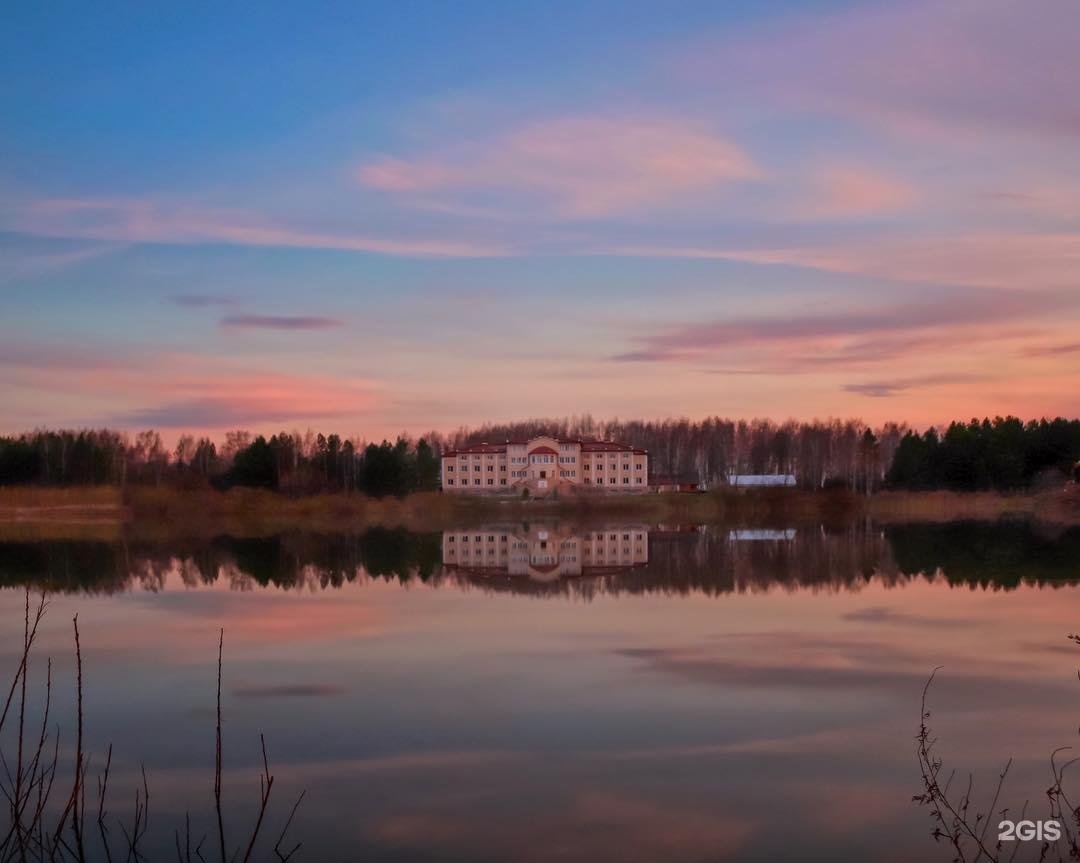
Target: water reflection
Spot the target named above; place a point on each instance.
(677, 693)
(545, 553)
(559, 558)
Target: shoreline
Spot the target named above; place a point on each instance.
(148, 511)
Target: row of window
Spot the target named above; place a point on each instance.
(546, 460)
(522, 459)
(613, 537)
(520, 474)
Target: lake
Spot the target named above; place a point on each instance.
(552, 690)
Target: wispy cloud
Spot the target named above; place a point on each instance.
(1037, 261)
(170, 390)
(280, 322)
(148, 221)
(201, 301)
(847, 191)
(919, 67)
(22, 263)
(886, 389)
(240, 406)
(578, 167)
(844, 330)
(1052, 350)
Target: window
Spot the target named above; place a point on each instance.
(477, 468)
(612, 481)
(626, 480)
(638, 480)
(491, 482)
(449, 468)
(626, 466)
(450, 482)
(476, 481)
(502, 468)
(491, 468)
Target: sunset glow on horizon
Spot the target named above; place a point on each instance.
(382, 219)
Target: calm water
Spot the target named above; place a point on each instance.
(556, 691)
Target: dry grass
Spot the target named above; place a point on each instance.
(255, 511)
(166, 512)
(939, 506)
(41, 511)
(26, 496)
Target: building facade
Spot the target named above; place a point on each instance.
(545, 464)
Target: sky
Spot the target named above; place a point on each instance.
(383, 217)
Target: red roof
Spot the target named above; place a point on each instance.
(543, 450)
(477, 449)
(604, 446)
(586, 446)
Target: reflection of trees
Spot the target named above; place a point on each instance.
(1000, 554)
(285, 561)
(705, 560)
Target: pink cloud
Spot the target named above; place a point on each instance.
(145, 221)
(920, 67)
(580, 167)
(1033, 261)
(280, 322)
(182, 391)
(841, 191)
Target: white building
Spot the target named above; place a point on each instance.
(761, 480)
(545, 464)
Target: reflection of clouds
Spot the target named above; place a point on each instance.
(288, 690)
(807, 661)
(885, 614)
(594, 824)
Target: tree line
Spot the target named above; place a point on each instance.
(819, 453)
(1003, 453)
(288, 462)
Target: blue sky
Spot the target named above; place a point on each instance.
(385, 217)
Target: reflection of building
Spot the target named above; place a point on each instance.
(545, 553)
(670, 482)
(761, 480)
(544, 464)
(746, 534)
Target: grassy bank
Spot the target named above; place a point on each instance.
(253, 512)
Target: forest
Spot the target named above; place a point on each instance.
(1004, 453)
